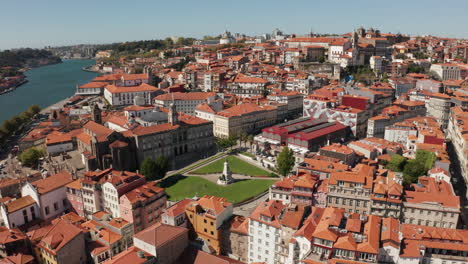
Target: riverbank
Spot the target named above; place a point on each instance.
(13, 87)
(46, 86)
(23, 77)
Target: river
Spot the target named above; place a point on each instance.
(46, 85)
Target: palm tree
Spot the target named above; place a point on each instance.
(242, 138)
(250, 138)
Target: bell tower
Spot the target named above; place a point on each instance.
(96, 114)
(173, 117)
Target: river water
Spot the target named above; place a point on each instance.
(47, 85)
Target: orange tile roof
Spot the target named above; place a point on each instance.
(346, 242)
(353, 225)
(141, 130)
(293, 217)
(20, 203)
(128, 256)
(72, 218)
(52, 182)
(270, 209)
(338, 148)
(75, 184)
(93, 85)
(213, 203)
(429, 190)
(241, 78)
(58, 137)
(240, 225)
(205, 108)
(184, 96)
(129, 89)
(143, 193)
(372, 231)
(55, 236)
(10, 235)
(390, 231)
(159, 234)
(177, 208)
(244, 109)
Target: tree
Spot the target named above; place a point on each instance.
(251, 140)
(419, 166)
(8, 127)
(285, 161)
(397, 163)
(401, 56)
(225, 143)
(243, 138)
(413, 68)
(31, 156)
(34, 109)
(413, 170)
(321, 59)
(149, 169)
(162, 167)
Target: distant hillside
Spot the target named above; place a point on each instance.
(23, 58)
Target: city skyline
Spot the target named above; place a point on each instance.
(57, 24)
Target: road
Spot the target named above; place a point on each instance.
(247, 209)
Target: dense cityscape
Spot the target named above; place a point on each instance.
(230, 149)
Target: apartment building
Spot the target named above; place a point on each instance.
(456, 132)
(431, 203)
(386, 197)
(296, 189)
(50, 194)
(351, 190)
(243, 118)
(271, 226)
(334, 236)
(59, 242)
(175, 214)
(185, 102)
(206, 216)
(143, 205)
(246, 86)
(446, 71)
(116, 185)
(439, 107)
(235, 238)
(125, 95)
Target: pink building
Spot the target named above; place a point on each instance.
(75, 197)
(143, 205)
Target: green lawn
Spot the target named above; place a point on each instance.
(181, 187)
(236, 165)
(248, 154)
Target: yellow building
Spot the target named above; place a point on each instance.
(205, 218)
(60, 242)
(246, 117)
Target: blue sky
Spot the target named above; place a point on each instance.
(33, 23)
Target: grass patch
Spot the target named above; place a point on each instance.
(196, 164)
(247, 154)
(236, 165)
(180, 187)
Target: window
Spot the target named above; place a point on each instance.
(64, 202)
(55, 206)
(47, 210)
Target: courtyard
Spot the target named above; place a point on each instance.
(179, 187)
(236, 165)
